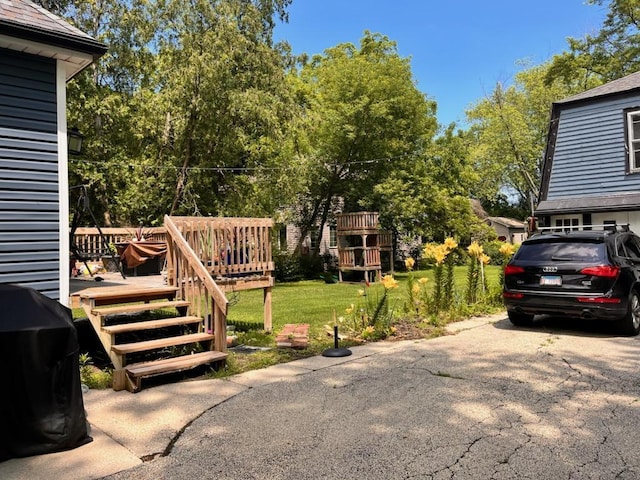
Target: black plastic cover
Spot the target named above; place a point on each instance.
(42, 408)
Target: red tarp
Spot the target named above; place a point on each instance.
(134, 254)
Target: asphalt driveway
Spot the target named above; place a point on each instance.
(557, 401)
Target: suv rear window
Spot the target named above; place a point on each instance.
(558, 251)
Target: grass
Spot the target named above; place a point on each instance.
(313, 302)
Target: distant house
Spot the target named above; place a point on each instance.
(508, 229)
(39, 53)
(591, 172)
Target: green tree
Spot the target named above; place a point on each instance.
(510, 129)
(610, 54)
(187, 113)
(364, 117)
(430, 196)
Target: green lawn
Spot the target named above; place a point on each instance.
(313, 301)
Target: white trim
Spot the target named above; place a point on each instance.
(631, 140)
(73, 61)
(63, 181)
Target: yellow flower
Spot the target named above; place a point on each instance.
(388, 282)
(393, 330)
(450, 243)
(423, 280)
(485, 258)
(415, 289)
(475, 249)
(440, 253)
(429, 249)
(370, 329)
(507, 249)
(409, 263)
(350, 309)
(361, 292)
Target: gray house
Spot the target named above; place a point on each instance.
(39, 53)
(591, 172)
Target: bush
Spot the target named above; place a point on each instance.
(92, 376)
(287, 266)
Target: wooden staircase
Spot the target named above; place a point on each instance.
(149, 344)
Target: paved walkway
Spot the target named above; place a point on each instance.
(130, 429)
(558, 400)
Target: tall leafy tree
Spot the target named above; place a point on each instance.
(227, 104)
(430, 195)
(610, 54)
(187, 112)
(510, 128)
(364, 117)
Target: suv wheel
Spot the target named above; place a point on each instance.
(630, 324)
(521, 319)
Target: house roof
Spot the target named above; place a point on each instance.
(29, 28)
(621, 85)
(601, 203)
(507, 222)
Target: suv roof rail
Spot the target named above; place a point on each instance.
(609, 227)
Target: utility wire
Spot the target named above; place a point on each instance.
(241, 169)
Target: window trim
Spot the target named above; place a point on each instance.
(629, 113)
(575, 220)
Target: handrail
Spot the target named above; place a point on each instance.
(216, 292)
(186, 271)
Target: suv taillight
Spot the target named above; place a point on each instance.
(607, 271)
(513, 270)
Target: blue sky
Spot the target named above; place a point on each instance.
(459, 48)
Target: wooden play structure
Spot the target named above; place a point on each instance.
(206, 257)
(362, 245)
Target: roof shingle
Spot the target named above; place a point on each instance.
(621, 85)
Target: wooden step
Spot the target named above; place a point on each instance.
(140, 307)
(151, 324)
(175, 364)
(131, 376)
(126, 348)
(120, 294)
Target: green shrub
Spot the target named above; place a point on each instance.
(287, 266)
(92, 376)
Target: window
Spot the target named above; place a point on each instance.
(282, 237)
(313, 237)
(333, 236)
(633, 140)
(567, 223)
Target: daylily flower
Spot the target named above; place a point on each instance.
(388, 282)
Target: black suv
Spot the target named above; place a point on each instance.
(590, 274)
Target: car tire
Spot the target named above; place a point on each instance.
(630, 324)
(520, 319)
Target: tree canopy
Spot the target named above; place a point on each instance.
(196, 110)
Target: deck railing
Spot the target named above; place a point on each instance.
(91, 245)
(186, 271)
(359, 258)
(357, 221)
(230, 246)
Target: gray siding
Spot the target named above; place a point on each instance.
(29, 202)
(590, 156)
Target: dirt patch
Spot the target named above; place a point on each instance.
(411, 330)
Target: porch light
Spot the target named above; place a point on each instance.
(74, 141)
